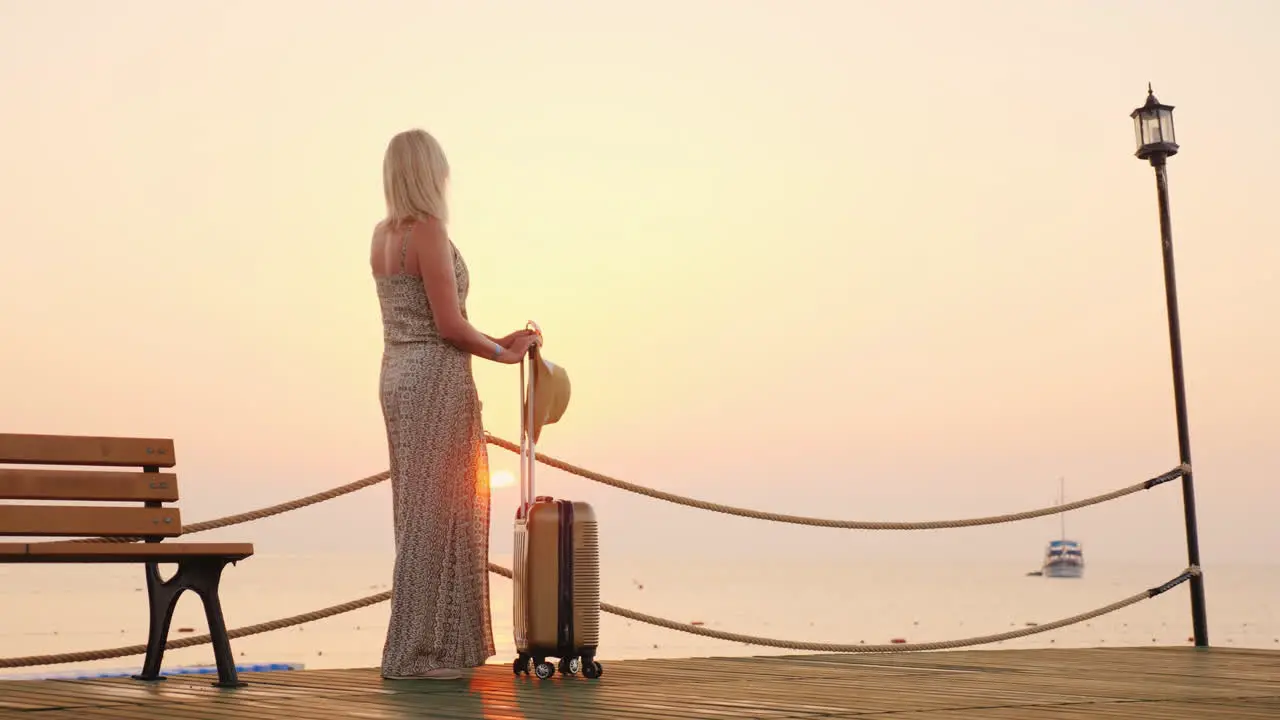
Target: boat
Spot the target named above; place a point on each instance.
(1063, 558)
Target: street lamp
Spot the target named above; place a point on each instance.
(1153, 130)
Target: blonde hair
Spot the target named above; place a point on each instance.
(414, 174)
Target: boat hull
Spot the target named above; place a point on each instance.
(1063, 570)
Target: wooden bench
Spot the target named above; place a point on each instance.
(200, 565)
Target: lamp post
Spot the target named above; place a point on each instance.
(1153, 127)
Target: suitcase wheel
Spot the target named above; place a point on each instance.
(592, 670)
(544, 670)
(521, 665)
(570, 666)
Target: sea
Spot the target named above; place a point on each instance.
(49, 609)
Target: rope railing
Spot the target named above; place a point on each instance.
(126, 651)
(582, 472)
(371, 480)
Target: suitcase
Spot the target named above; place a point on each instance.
(556, 569)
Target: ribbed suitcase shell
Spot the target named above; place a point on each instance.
(540, 580)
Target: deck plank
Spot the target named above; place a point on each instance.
(1057, 684)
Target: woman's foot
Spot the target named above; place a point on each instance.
(437, 674)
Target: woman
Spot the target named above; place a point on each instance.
(440, 621)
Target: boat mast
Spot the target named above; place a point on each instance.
(1062, 498)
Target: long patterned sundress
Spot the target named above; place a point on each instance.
(439, 483)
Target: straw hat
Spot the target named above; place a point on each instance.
(550, 391)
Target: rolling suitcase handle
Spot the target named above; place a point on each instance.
(528, 463)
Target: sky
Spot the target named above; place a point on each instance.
(861, 260)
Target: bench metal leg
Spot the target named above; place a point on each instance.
(201, 576)
(208, 592)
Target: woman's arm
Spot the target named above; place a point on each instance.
(435, 264)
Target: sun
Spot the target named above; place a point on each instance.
(501, 479)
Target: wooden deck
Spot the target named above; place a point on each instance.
(1134, 684)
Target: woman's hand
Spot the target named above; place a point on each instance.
(516, 351)
(507, 340)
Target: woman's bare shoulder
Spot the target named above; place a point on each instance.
(428, 231)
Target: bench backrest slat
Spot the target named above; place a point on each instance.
(78, 520)
(84, 450)
(32, 488)
(107, 486)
